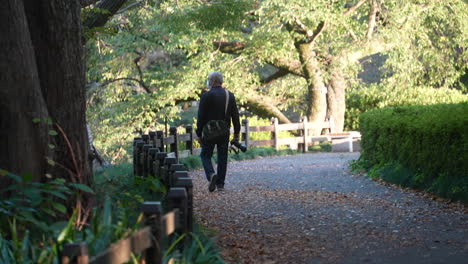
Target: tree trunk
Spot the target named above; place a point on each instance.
(316, 90)
(47, 64)
(24, 144)
(56, 35)
(336, 100)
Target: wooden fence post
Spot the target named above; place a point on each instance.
(75, 253)
(189, 144)
(144, 159)
(135, 160)
(165, 170)
(186, 182)
(305, 134)
(177, 198)
(174, 145)
(160, 140)
(158, 163)
(274, 134)
(245, 135)
(175, 171)
(153, 214)
(151, 158)
(137, 157)
(145, 138)
(152, 137)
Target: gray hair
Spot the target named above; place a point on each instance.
(215, 77)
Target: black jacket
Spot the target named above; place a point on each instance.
(212, 107)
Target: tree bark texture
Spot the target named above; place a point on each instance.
(262, 108)
(316, 101)
(336, 105)
(44, 76)
(55, 28)
(371, 18)
(24, 144)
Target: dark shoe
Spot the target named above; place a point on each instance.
(220, 188)
(212, 185)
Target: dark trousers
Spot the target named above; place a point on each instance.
(207, 154)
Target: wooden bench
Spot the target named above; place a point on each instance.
(350, 136)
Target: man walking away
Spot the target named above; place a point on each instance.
(216, 105)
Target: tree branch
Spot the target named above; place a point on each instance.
(230, 47)
(290, 66)
(120, 11)
(320, 28)
(106, 9)
(263, 108)
(310, 35)
(354, 7)
(140, 73)
(278, 74)
(371, 19)
(120, 79)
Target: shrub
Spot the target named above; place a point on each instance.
(428, 142)
(361, 100)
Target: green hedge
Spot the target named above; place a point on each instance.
(363, 99)
(431, 142)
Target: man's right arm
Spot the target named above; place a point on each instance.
(201, 116)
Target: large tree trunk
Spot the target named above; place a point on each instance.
(50, 46)
(316, 90)
(336, 106)
(24, 144)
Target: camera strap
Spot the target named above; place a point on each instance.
(226, 104)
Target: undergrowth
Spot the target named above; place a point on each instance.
(453, 188)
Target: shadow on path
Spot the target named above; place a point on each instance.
(310, 209)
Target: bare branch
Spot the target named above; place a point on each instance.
(321, 26)
(120, 79)
(371, 19)
(120, 11)
(275, 76)
(262, 107)
(354, 7)
(290, 66)
(300, 28)
(140, 73)
(231, 47)
(107, 8)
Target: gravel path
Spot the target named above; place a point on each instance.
(310, 209)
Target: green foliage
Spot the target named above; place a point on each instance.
(202, 249)
(361, 100)
(168, 50)
(33, 232)
(419, 146)
(257, 121)
(35, 203)
(431, 39)
(125, 190)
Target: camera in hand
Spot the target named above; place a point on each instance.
(238, 145)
